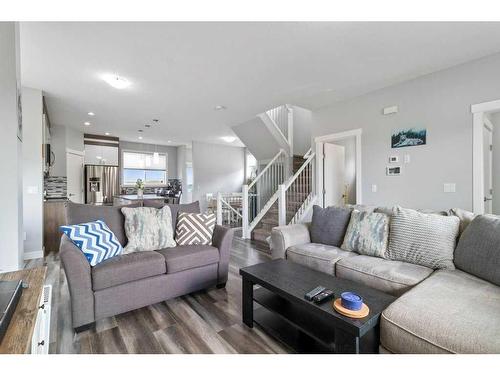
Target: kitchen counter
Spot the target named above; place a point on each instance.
(135, 197)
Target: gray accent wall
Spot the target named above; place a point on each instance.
(61, 138)
(217, 168)
(439, 102)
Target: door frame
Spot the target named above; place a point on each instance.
(478, 119)
(320, 141)
(82, 154)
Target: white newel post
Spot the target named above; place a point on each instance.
(281, 205)
(244, 213)
(219, 208)
(290, 130)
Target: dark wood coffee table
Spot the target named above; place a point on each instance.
(305, 327)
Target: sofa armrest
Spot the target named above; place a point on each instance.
(223, 240)
(79, 276)
(289, 235)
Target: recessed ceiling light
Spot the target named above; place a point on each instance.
(107, 133)
(91, 114)
(98, 157)
(116, 81)
(169, 141)
(86, 123)
(219, 108)
(140, 137)
(228, 139)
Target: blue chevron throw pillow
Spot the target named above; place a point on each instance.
(94, 239)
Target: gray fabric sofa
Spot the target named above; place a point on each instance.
(135, 280)
(442, 311)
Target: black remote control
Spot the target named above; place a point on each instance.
(326, 294)
(309, 296)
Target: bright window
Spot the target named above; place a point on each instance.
(144, 166)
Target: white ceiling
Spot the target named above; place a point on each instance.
(180, 71)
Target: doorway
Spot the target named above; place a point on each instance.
(486, 148)
(74, 173)
(339, 168)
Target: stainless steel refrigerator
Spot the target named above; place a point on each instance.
(102, 183)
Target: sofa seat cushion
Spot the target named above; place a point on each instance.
(317, 256)
(449, 312)
(125, 268)
(181, 258)
(393, 277)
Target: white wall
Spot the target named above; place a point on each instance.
(302, 124)
(217, 168)
(439, 102)
(32, 172)
(11, 249)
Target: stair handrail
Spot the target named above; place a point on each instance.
(281, 151)
(283, 188)
(307, 154)
(299, 171)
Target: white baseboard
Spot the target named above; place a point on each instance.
(33, 255)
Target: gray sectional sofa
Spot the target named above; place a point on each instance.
(134, 280)
(438, 311)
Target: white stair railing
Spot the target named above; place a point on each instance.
(279, 121)
(228, 209)
(297, 194)
(261, 193)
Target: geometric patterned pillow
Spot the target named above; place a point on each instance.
(194, 229)
(94, 239)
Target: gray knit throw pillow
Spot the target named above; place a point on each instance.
(424, 239)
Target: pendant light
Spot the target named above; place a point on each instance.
(156, 157)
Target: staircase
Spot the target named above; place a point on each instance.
(271, 219)
(283, 190)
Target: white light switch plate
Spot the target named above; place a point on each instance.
(32, 190)
(374, 188)
(449, 187)
(407, 158)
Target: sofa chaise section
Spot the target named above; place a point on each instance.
(390, 276)
(449, 312)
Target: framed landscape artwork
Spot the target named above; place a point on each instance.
(408, 137)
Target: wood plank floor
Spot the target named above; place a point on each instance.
(203, 322)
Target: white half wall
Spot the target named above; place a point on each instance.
(439, 102)
(32, 172)
(11, 196)
(217, 168)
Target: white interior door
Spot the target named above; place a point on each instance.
(333, 174)
(74, 173)
(488, 168)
